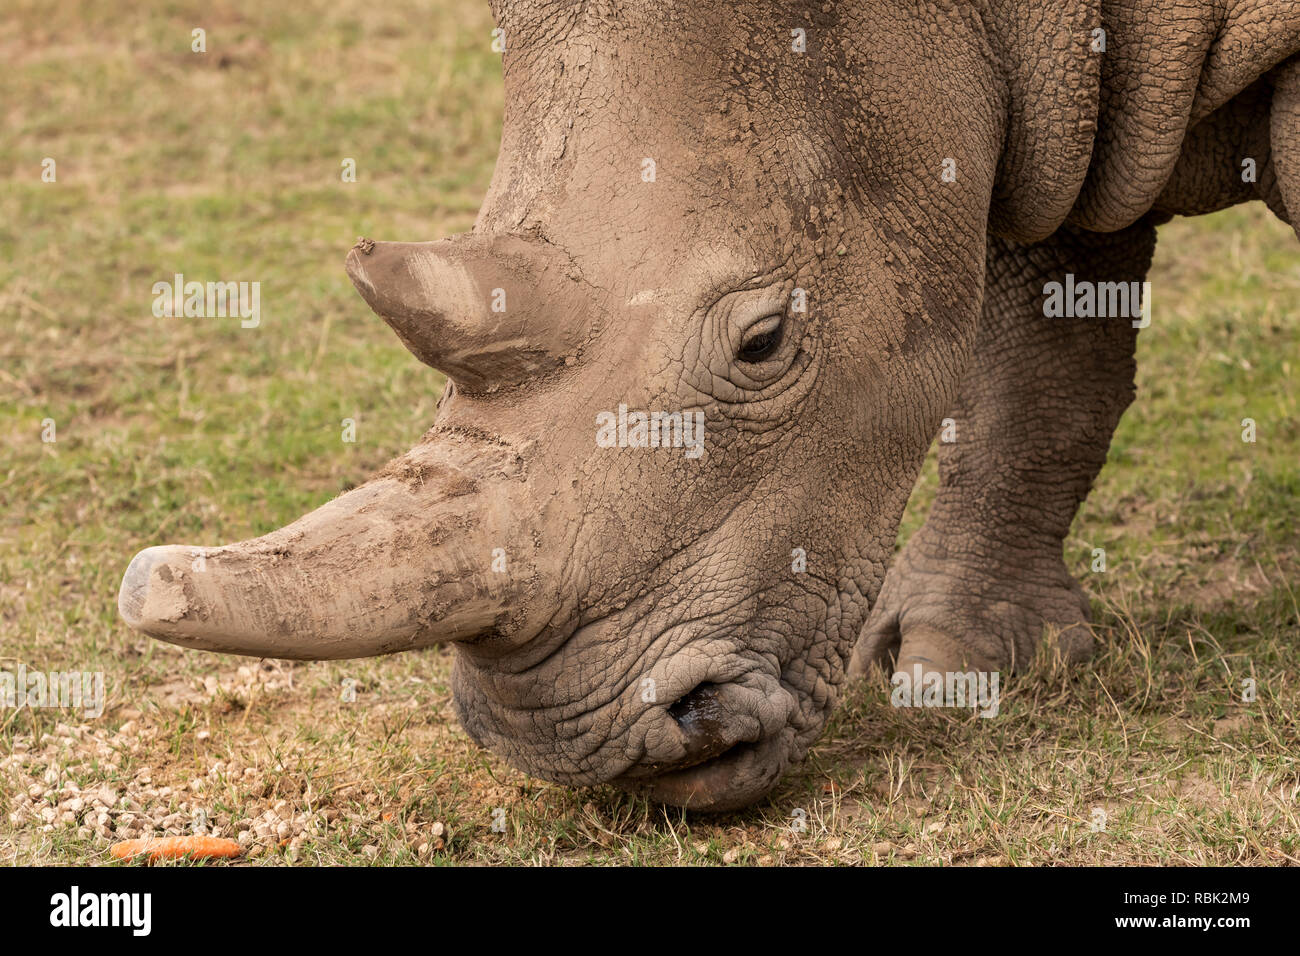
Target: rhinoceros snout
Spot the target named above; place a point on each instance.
(736, 740)
(707, 726)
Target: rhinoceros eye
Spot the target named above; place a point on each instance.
(762, 339)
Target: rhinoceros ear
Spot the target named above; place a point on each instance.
(1050, 61)
(487, 311)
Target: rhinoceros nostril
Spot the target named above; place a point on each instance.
(704, 721)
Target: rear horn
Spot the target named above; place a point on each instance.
(486, 311)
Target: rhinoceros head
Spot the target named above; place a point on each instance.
(700, 337)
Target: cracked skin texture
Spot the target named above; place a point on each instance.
(639, 617)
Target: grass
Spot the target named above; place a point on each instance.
(227, 165)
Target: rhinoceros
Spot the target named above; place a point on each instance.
(738, 266)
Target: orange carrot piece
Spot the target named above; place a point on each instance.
(175, 848)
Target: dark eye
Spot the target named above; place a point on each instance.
(762, 339)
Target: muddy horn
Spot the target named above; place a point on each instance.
(487, 311)
(403, 561)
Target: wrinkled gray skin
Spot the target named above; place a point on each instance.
(649, 627)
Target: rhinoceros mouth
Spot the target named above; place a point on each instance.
(729, 780)
(735, 736)
(732, 753)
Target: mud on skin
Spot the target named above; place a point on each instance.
(918, 182)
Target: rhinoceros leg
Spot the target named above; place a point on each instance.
(974, 587)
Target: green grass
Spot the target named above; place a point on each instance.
(227, 165)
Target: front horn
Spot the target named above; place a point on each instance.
(404, 561)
